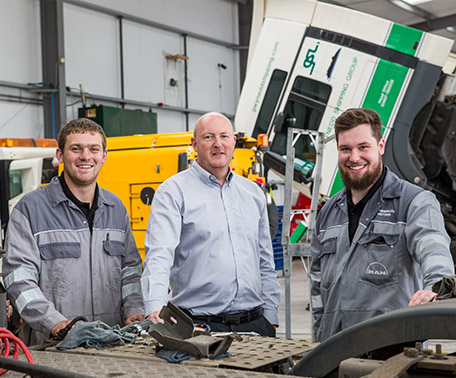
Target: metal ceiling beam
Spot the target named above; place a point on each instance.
(417, 11)
(436, 24)
(245, 24)
(143, 21)
(334, 2)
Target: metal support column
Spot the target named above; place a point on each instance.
(302, 248)
(53, 59)
(121, 61)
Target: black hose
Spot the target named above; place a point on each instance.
(37, 370)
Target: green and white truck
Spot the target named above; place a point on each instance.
(310, 61)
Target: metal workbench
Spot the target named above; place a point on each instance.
(253, 356)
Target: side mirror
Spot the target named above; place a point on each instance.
(278, 122)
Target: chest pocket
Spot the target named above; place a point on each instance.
(57, 271)
(60, 251)
(115, 249)
(379, 263)
(327, 258)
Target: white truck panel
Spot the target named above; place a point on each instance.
(279, 43)
(291, 10)
(353, 23)
(13, 153)
(435, 49)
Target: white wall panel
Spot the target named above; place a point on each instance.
(91, 51)
(212, 18)
(170, 121)
(92, 58)
(146, 70)
(20, 46)
(210, 86)
(21, 120)
(20, 41)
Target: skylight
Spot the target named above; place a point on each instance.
(416, 2)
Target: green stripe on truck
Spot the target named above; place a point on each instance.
(404, 39)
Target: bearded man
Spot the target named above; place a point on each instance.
(380, 243)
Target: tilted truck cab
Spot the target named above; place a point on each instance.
(311, 61)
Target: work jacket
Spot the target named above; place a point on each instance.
(399, 247)
(56, 269)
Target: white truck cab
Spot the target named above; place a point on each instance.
(25, 164)
(311, 61)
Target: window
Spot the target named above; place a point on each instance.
(15, 183)
(270, 101)
(304, 110)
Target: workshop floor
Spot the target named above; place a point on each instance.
(300, 314)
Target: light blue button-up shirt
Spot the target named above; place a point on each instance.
(211, 245)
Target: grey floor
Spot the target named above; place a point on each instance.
(300, 315)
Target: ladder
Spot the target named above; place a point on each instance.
(303, 247)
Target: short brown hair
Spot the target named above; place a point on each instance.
(80, 126)
(359, 116)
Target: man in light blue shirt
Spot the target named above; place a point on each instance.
(208, 241)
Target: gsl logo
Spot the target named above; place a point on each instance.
(310, 57)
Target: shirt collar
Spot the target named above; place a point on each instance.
(57, 195)
(72, 197)
(209, 178)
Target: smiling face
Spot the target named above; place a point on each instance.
(360, 159)
(82, 158)
(214, 141)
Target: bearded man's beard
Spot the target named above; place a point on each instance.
(351, 182)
